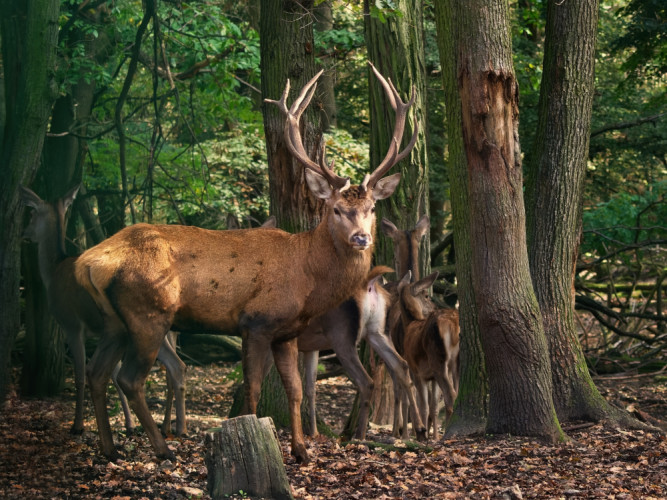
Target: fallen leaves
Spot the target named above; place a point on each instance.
(40, 459)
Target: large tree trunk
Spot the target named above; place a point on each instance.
(328, 112)
(471, 407)
(515, 348)
(286, 48)
(29, 39)
(287, 53)
(396, 48)
(554, 194)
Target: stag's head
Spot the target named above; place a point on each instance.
(349, 210)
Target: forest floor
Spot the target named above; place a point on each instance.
(40, 459)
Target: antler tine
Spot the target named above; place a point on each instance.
(401, 109)
(293, 133)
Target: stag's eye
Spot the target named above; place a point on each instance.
(336, 211)
(373, 210)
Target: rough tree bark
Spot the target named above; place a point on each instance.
(554, 197)
(286, 47)
(471, 408)
(515, 347)
(287, 52)
(29, 31)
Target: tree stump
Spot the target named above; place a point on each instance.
(244, 455)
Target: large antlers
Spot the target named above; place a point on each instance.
(293, 133)
(401, 109)
(295, 144)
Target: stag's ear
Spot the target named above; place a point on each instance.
(29, 197)
(422, 226)
(385, 187)
(424, 283)
(318, 185)
(388, 227)
(68, 199)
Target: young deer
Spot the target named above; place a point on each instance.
(431, 346)
(75, 311)
(267, 283)
(406, 258)
(362, 316)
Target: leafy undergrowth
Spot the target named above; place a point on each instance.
(40, 459)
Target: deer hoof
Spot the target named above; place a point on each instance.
(421, 435)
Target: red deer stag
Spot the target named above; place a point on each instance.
(362, 316)
(431, 346)
(75, 311)
(406, 258)
(265, 282)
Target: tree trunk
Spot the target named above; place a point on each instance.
(396, 48)
(554, 194)
(515, 347)
(287, 53)
(29, 32)
(471, 408)
(286, 47)
(244, 456)
(328, 112)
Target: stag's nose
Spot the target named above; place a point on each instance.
(360, 241)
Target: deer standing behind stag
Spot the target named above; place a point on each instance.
(147, 279)
(78, 315)
(425, 335)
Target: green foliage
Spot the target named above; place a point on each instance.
(626, 155)
(646, 35)
(626, 219)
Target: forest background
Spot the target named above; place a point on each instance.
(163, 122)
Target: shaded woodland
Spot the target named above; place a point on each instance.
(543, 176)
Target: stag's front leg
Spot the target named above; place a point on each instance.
(106, 356)
(286, 358)
(310, 359)
(256, 354)
(127, 414)
(176, 370)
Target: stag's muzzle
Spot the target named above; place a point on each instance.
(361, 241)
